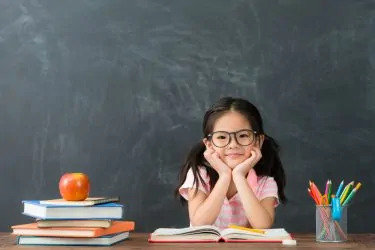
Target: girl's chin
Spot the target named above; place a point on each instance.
(233, 163)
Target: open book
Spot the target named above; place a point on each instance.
(210, 233)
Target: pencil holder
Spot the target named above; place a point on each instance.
(329, 229)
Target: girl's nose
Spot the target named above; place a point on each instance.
(233, 141)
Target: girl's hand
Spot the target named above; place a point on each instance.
(216, 163)
(243, 168)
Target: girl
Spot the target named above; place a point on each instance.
(234, 175)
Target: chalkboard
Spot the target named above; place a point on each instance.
(117, 90)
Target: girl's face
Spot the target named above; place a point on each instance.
(233, 153)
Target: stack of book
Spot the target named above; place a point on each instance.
(95, 221)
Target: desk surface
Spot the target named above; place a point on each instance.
(139, 241)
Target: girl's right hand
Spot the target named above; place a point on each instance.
(216, 163)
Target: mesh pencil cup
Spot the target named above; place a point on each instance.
(328, 229)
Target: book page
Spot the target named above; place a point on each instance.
(207, 229)
(270, 233)
(87, 202)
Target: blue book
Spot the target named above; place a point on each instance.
(107, 211)
(107, 240)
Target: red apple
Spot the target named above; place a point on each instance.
(74, 186)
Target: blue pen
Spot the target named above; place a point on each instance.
(340, 189)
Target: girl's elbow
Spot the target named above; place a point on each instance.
(263, 224)
(267, 226)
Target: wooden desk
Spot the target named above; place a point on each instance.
(139, 241)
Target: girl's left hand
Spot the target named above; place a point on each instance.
(244, 167)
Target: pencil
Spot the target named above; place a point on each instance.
(247, 229)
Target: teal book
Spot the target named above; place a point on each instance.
(107, 211)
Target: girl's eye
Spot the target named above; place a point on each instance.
(244, 135)
(221, 137)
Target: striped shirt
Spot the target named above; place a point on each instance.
(232, 211)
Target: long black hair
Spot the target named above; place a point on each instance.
(269, 165)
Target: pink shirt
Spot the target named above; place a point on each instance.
(232, 211)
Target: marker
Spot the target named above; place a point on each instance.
(336, 209)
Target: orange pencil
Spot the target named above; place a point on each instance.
(315, 191)
(312, 196)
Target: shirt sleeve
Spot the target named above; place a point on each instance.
(189, 183)
(270, 190)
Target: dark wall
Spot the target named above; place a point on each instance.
(117, 89)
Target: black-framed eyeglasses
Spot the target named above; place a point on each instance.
(243, 137)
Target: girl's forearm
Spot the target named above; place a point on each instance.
(257, 215)
(208, 211)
